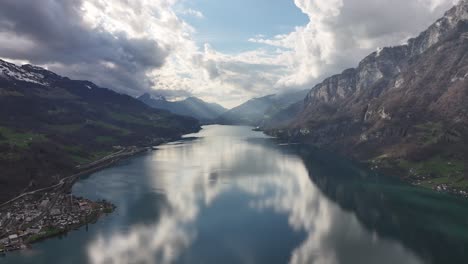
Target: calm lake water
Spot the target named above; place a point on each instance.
(231, 195)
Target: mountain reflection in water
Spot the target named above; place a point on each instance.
(231, 195)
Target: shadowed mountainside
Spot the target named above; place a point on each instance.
(192, 106)
(49, 124)
(259, 111)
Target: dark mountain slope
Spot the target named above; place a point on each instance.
(284, 117)
(49, 124)
(403, 107)
(191, 106)
(258, 111)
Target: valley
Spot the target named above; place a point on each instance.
(191, 106)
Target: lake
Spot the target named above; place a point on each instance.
(231, 195)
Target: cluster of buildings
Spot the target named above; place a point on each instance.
(38, 216)
(419, 180)
(442, 188)
(447, 189)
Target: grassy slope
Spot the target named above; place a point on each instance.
(436, 163)
(45, 131)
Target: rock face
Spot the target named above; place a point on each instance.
(192, 106)
(49, 124)
(404, 101)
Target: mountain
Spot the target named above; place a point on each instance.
(403, 108)
(191, 106)
(258, 111)
(49, 124)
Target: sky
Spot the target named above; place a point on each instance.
(221, 51)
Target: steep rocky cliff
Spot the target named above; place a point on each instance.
(401, 103)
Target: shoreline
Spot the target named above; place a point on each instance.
(53, 211)
(421, 181)
(85, 169)
(417, 180)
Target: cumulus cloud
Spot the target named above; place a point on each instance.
(58, 34)
(216, 76)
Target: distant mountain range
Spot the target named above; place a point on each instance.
(403, 107)
(258, 111)
(49, 124)
(192, 106)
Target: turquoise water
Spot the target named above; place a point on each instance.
(231, 195)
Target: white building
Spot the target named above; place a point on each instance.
(13, 238)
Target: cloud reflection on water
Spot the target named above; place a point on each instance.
(193, 175)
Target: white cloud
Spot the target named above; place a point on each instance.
(193, 12)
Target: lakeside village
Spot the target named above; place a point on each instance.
(54, 211)
(39, 216)
(428, 181)
(440, 187)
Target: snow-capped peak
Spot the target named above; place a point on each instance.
(14, 72)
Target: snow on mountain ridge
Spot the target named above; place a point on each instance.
(13, 72)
